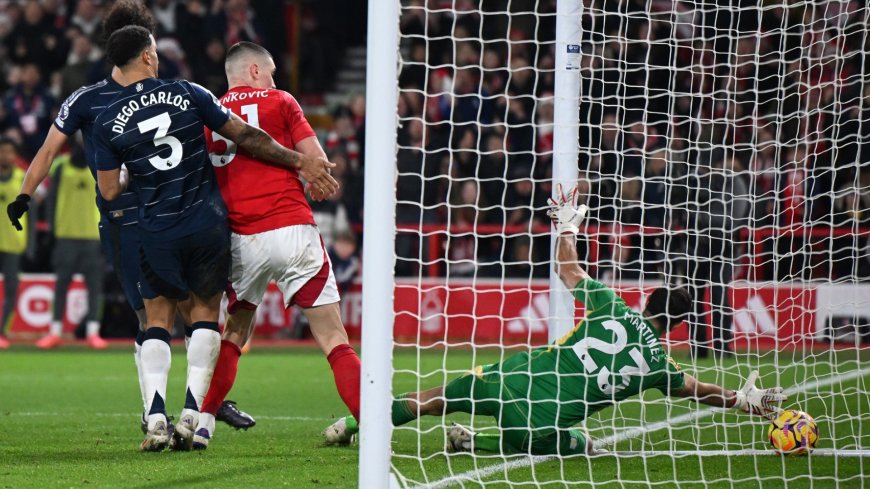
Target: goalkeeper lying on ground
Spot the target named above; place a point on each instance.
(539, 395)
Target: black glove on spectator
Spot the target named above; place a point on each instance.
(17, 208)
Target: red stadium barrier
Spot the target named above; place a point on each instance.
(514, 311)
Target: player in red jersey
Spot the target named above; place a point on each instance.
(274, 236)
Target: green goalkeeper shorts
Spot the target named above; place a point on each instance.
(500, 391)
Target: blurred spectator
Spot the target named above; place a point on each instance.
(13, 243)
(79, 66)
(75, 221)
(209, 70)
(345, 263)
(342, 137)
(236, 21)
(29, 108)
(36, 40)
(717, 211)
(331, 218)
(87, 17)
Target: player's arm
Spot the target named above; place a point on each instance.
(36, 173)
(310, 146)
(314, 169)
(111, 174)
(748, 399)
(111, 183)
(567, 216)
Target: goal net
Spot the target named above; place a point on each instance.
(721, 146)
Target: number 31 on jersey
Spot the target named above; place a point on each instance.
(250, 113)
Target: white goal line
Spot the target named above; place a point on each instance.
(479, 474)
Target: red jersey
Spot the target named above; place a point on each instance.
(260, 196)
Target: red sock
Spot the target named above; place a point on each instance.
(346, 370)
(224, 377)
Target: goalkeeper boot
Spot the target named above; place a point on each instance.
(157, 438)
(342, 432)
(459, 439)
(233, 416)
(184, 430)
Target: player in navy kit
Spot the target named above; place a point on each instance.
(151, 136)
(118, 233)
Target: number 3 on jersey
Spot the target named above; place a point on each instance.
(252, 115)
(161, 123)
(603, 379)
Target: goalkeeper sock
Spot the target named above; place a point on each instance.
(202, 354)
(490, 442)
(402, 412)
(224, 377)
(155, 359)
(346, 370)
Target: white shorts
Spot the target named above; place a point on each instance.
(292, 256)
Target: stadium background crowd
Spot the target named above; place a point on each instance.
(773, 102)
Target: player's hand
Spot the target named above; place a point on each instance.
(566, 212)
(316, 194)
(16, 209)
(316, 171)
(753, 400)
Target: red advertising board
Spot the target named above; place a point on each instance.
(504, 311)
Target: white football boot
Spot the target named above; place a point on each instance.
(157, 438)
(338, 433)
(459, 438)
(184, 429)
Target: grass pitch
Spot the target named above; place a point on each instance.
(70, 419)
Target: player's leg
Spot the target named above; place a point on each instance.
(92, 268)
(155, 360)
(311, 285)
(248, 278)
(237, 330)
(202, 355)
(10, 264)
(121, 248)
(328, 330)
(64, 258)
(473, 393)
(206, 268)
(161, 286)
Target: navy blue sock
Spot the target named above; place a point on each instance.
(212, 325)
(156, 333)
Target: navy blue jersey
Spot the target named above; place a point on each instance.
(155, 128)
(78, 113)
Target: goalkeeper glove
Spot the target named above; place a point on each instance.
(565, 213)
(17, 208)
(752, 400)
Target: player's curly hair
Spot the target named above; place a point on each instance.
(126, 43)
(124, 13)
(672, 305)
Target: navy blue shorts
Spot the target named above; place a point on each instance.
(198, 263)
(121, 246)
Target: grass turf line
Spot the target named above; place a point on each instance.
(93, 441)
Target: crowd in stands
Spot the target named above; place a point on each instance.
(741, 121)
(685, 120)
(50, 48)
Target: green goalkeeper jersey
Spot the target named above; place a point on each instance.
(613, 354)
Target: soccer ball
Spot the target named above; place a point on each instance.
(793, 433)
